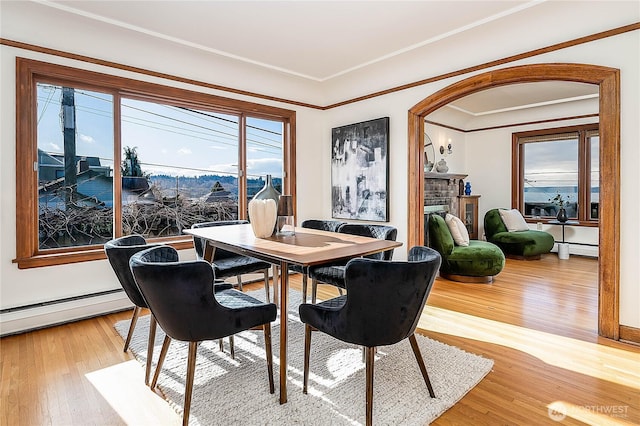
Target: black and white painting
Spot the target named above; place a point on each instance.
(360, 170)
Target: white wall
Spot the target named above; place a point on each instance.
(489, 169)
(21, 287)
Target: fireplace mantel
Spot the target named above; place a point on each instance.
(436, 175)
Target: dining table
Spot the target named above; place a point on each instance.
(305, 247)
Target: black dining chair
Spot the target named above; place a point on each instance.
(322, 225)
(334, 273)
(119, 252)
(382, 306)
(227, 264)
(181, 297)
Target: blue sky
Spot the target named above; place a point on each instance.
(171, 140)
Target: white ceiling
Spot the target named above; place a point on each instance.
(317, 40)
(321, 40)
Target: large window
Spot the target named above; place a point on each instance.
(557, 164)
(100, 156)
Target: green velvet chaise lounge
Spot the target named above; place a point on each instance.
(478, 262)
(529, 244)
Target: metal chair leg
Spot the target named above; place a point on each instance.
(269, 354)
(307, 351)
(276, 286)
(134, 320)
(369, 387)
(266, 283)
(423, 368)
(232, 349)
(304, 288)
(150, 344)
(163, 354)
(188, 390)
(239, 278)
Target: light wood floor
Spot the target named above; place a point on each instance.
(537, 321)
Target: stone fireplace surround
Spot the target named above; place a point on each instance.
(441, 191)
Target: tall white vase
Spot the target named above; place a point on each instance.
(263, 215)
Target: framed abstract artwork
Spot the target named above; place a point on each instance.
(360, 171)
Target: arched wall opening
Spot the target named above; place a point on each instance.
(608, 79)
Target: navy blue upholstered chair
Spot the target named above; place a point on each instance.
(382, 306)
(181, 297)
(227, 264)
(334, 273)
(119, 251)
(322, 225)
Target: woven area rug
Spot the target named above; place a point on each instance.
(236, 391)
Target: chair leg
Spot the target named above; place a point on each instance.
(266, 284)
(232, 349)
(314, 290)
(304, 288)
(163, 354)
(150, 345)
(423, 368)
(307, 351)
(188, 390)
(134, 320)
(369, 387)
(239, 278)
(269, 354)
(276, 285)
(364, 353)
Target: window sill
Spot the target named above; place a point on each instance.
(96, 253)
(585, 223)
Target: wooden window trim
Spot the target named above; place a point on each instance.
(29, 72)
(584, 168)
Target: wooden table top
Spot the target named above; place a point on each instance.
(307, 247)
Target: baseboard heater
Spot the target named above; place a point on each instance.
(40, 315)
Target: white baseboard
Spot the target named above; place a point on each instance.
(579, 250)
(58, 313)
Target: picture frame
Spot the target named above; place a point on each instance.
(360, 171)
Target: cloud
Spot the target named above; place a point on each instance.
(55, 147)
(184, 151)
(264, 166)
(87, 139)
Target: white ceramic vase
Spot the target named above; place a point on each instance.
(263, 215)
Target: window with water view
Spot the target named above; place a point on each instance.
(559, 164)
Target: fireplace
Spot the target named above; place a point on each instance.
(441, 191)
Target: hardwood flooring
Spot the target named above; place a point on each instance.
(537, 321)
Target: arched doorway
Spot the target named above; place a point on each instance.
(608, 80)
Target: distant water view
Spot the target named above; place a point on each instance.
(537, 200)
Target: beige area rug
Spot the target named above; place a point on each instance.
(236, 391)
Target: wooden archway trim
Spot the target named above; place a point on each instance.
(608, 80)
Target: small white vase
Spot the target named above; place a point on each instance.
(263, 215)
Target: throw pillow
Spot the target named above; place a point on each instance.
(513, 220)
(458, 231)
